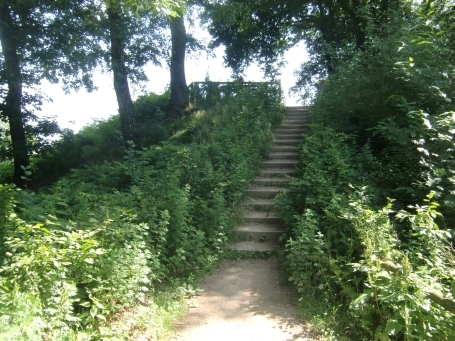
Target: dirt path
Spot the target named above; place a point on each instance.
(243, 300)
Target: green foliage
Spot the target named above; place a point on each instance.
(7, 193)
(396, 301)
(330, 162)
(98, 142)
(378, 276)
(106, 238)
(261, 30)
(150, 118)
(95, 143)
(397, 93)
(207, 94)
(385, 125)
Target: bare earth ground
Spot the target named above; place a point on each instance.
(244, 300)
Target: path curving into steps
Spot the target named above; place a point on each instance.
(249, 300)
(262, 227)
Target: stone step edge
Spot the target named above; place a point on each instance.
(255, 246)
(260, 228)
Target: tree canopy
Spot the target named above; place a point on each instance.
(262, 30)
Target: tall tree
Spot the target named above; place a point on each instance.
(131, 23)
(117, 35)
(10, 42)
(179, 89)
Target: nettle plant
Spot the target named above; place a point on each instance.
(73, 278)
(392, 271)
(408, 292)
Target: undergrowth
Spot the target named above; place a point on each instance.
(110, 250)
(370, 213)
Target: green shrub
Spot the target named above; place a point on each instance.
(396, 300)
(102, 239)
(396, 93)
(152, 125)
(98, 142)
(341, 244)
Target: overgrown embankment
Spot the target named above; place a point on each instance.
(89, 257)
(371, 215)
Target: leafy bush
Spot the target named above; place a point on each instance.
(401, 296)
(95, 143)
(396, 93)
(383, 279)
(384, 274)
(106, 237)
(151, 119)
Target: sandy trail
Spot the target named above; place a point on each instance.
(243, 300)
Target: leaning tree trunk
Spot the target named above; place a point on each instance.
(179, 90)
(122, 90)
(13, 100)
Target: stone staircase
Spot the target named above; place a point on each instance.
(262, 227)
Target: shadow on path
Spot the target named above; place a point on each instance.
(243, 300)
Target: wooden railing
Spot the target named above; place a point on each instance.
(210, 91)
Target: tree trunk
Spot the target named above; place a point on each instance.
(122, 90)
(13, 100)
(179, 90)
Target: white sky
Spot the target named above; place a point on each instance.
(80, 108)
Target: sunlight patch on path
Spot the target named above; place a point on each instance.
(243, 301)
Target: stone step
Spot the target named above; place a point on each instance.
(263, 181)
(277, 172)
(262, 217)
(290, 130)
(282, 149)
(297, 111)
(260, 232)
(291, 125)
(289, 135)
(301, 112)
(280, 163)
(288, 142)
(303, 118)
(255, 246)
(260, 204)
(297, 114)
(262, 226)
(297, 121)
(263, 192)
(285, 155)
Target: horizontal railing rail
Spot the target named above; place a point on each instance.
(207, 91)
